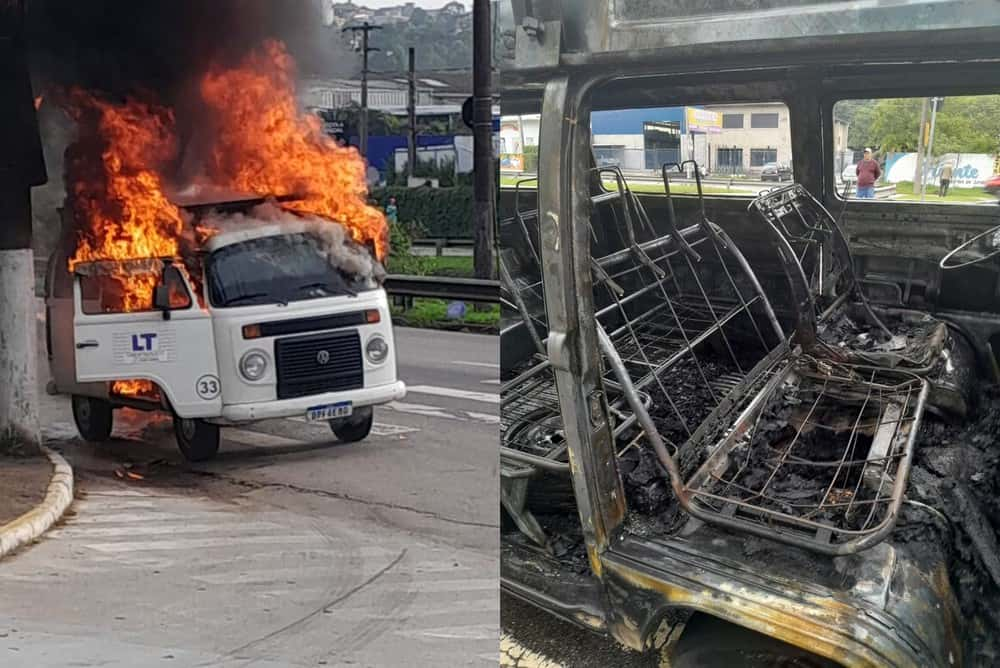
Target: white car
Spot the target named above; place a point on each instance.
(269, 329)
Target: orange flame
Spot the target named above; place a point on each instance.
(265, 146)
(117, 192)
(260, 144)
(135, 388)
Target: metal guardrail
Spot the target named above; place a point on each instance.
(444, 287)
(446, 242)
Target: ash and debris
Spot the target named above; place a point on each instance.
(957, 473)
(792, 466)
(682, 398)
(847, 329)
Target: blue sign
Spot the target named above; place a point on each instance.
(144, 342)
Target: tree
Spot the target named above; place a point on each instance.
(964, 124)
(858, 113)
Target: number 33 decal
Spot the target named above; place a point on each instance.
(208, 387)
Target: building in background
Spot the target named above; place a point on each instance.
(439, 96)
(725, 139)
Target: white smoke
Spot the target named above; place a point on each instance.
(332, 239)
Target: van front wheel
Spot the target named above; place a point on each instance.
(198, 440)
(709, 642)
(94, 418)
(355, 428)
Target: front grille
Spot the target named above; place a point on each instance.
(300, 372)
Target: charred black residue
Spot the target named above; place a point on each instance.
(848, 329)
(956, 480)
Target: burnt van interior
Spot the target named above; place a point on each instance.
(775, 409)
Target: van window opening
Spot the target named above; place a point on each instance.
(276, 269)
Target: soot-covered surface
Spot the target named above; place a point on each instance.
(957, 472)
(847, 328)
(802, 460)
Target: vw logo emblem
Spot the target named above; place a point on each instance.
(323, 356)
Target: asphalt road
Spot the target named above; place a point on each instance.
(287, 550)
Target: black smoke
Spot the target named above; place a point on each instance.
(155, 51)
(159, 47)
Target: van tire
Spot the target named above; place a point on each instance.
(94, 418)
(198, 440)
(353, 429)
(710, 642)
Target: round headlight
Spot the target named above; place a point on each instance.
(376, 350)
(253, 365)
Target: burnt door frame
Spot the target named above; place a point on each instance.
(564, 212)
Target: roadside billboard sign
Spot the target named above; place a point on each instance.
(702, 121)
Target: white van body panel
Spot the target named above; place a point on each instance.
(177, 354)
(231, 346)
(194, 356)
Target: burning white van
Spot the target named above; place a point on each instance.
(272, 320)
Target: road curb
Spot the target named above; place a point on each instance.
(35, 522)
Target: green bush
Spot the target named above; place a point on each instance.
(444, 173)
(400, 260)
(438, 212)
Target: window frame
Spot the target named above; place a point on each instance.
(768, 114)
(84, 279)
(769, 151)
(828, 104)
(742, 117)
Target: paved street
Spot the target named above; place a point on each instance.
(288, 550)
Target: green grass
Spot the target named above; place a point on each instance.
(459, 266)
(455, 266)
(675, 188)
(635, 186)
(433, 314)
(508, 181)
(904, 192)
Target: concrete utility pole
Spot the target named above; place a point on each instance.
(411, 115)
(21, 167)
(364, 29)
(483, 162)
(918, 175)
(935, 103)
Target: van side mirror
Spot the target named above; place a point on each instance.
(161, 300)
(161, 293)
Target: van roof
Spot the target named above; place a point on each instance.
(255, 231)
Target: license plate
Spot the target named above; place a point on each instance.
(330, 411)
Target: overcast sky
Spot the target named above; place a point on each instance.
(426, 4)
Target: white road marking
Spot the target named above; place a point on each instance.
(454, 393)
(155, 529)
(119, 492)
(199, 543)
(420, 409)
(488, 418)
(322, 570)
(469, 632)
(490, 381)
(426, 410)
(258, 438)
(118, 518)
(381, 429)
(451, 608)
(513, 653)
(489, 365)
(472, 584)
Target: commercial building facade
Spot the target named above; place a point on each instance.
(725, 139)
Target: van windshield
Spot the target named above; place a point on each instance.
(276, 269)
